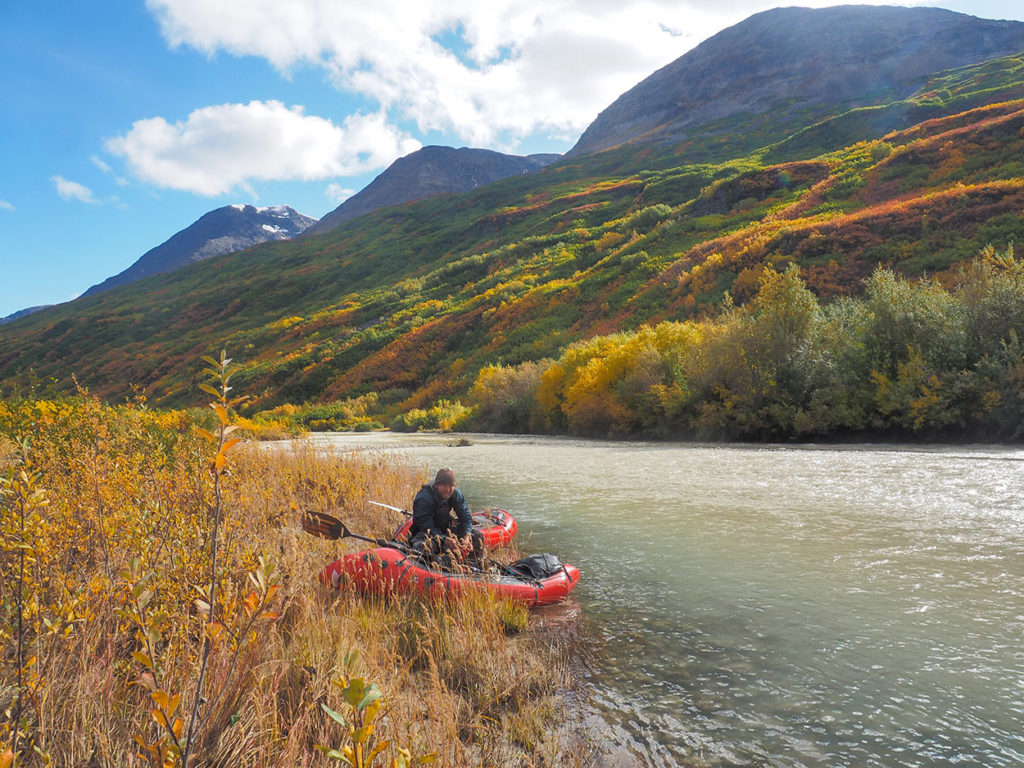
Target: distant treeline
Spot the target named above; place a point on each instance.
(912, 359)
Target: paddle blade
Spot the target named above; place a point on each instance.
(322, 525)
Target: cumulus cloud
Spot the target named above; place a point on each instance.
(489, 72)
(338, 194)
(224, 147)
(6, 206)
(72, 190)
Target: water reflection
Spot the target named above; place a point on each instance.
(778, 607)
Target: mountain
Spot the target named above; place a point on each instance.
(407, 304)
(224, 230)
(431, 171)
(23, 313)
(788, 67)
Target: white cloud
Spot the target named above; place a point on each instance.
(6, 206)
(72, 190)
(507, 68)
(338, 194)
(98, 162)
(221, 148)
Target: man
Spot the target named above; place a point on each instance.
(431, 531)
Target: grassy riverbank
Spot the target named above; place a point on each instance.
(115, 523)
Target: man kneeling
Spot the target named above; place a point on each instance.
(431, 533)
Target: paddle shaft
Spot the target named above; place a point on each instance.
(396, 509)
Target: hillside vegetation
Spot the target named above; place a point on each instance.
(402, 309)
(907, 358)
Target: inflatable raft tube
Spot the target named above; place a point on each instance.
(385, 570)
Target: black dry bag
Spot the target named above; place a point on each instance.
(537, 567)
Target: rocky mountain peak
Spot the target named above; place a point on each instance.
(224, 230)
(431, 171)
(806, 60)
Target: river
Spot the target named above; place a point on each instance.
(776, 606)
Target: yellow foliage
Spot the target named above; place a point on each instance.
(610, 384)
(609, 240)
(549, 393)
(118, 600)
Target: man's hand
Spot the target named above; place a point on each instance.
(462, 545)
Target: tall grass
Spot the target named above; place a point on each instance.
(106, 623)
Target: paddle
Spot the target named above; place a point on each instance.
(326, 527)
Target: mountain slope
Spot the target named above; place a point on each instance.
(408, 303)
(23, 313)
(795, 65)
(411, 302)
(224, 230)
(428, 172)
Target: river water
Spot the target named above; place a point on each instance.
(776, 606)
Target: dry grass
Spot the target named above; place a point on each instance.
(460, 680)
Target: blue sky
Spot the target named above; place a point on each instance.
(123, 122)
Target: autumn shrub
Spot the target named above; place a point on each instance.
(909, 358)
(503, 397)
(443, 416)
(991, 289)
(351, 414)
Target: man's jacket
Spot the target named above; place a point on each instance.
(431, 515)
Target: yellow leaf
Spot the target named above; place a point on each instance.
(222, 412)
(370, 714)
(176, 728)
(143, 659)
(161, 699)
(231, 442)
(376, 751)
(6, 759)
(252, 602)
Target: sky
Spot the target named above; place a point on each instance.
(122, 122)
